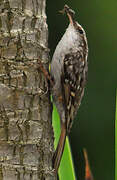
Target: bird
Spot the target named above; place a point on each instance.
(69, 67)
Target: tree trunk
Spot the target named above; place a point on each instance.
(26, 135)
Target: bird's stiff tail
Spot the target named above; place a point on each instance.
(60, 148)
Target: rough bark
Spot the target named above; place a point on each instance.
(26, 135)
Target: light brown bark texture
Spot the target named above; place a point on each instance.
(26, 135)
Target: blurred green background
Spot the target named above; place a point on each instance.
(93, 127)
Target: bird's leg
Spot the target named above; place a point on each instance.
(45, 72)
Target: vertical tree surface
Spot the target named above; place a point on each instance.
(26, 136)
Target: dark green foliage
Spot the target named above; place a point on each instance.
(94, 126)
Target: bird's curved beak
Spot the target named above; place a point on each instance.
(70, 13)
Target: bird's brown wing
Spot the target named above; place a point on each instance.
(73, 81)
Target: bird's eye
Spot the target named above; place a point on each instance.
(80, 31)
